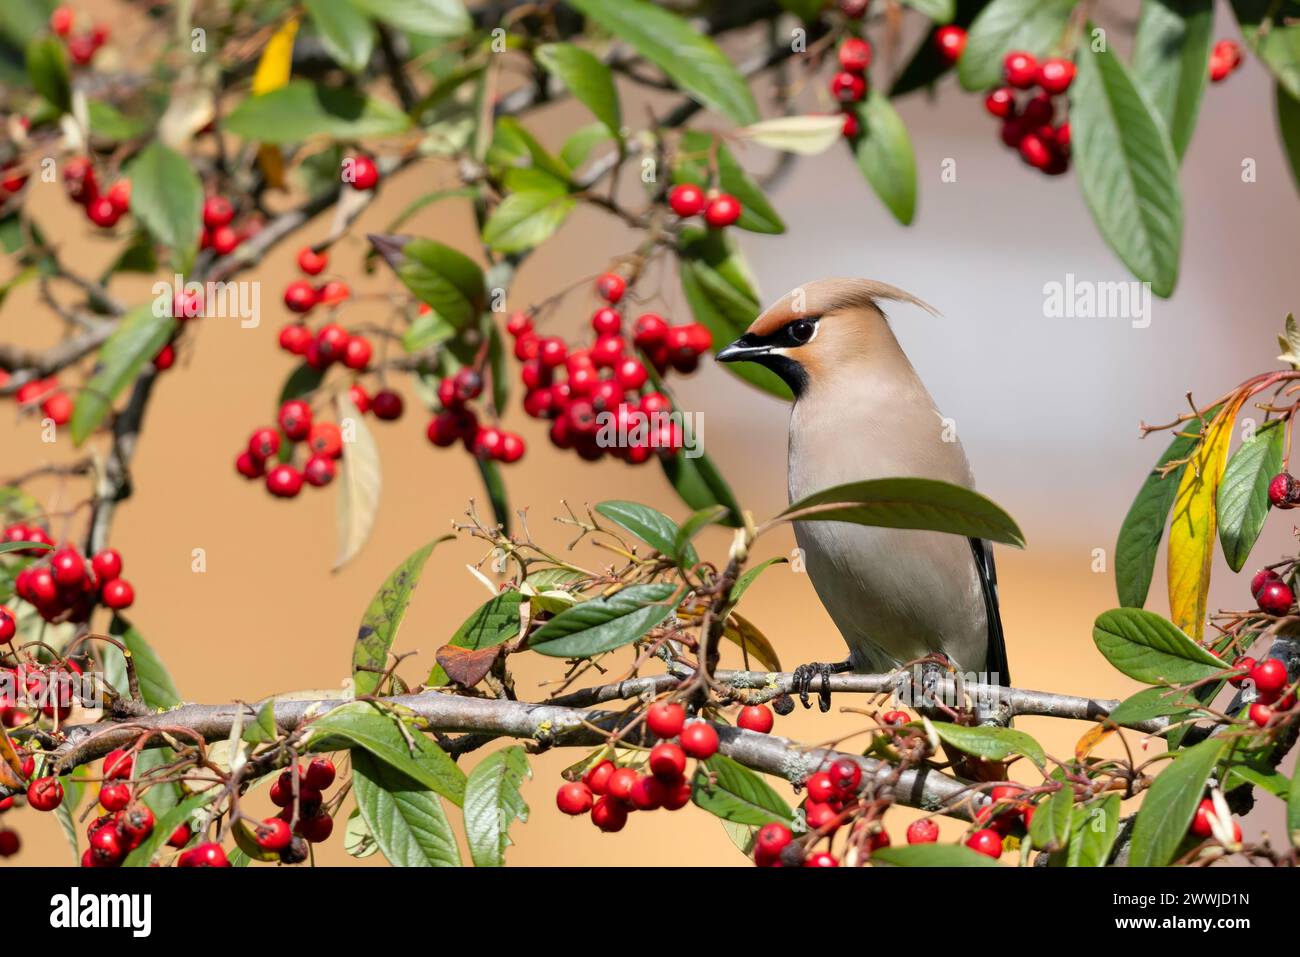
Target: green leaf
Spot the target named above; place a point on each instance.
(6, 547)
(699, 484)
(932, 855)
(167, 197)
(156, 685)
(357, 839)
(1288, 120)
(603, 624)
(514, 149)
(1149, 648)
(302, 380)
(1127, 169)
(578, 145)
(528, 218)
(1171, 57)
(302, 109)
(384, 616)
(1243, 491)
(1170, 802)
(1050, 828)
(588, 79)
(909, 503)
(73, 788)
(405, 819)
(648, 524)
(690, 59)
(357, 500)
(940, 11)
(992, 743)
(435, 18)
(1293, 809)
(133, 345)
(884, 154)
(365, 726)
(47, 68)
(806, 135)
(1034, 26)
(344, 32)
(698, 521)
(747, 579)
(718, 288)
(1271, 30)
(450, 282)
(166, 825)
(1151, 703)
(493, 622)
(693, 166)
(493, 802)
(1272, 781)
(1139, 536)
(495, 487)
(1093, 831)
(729, 790)
(263, 729)
(110, 123)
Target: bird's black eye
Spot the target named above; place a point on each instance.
(801, 330)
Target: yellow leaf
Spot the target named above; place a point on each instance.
(1193, 529)
(744, 633)
(273, 68)
(1095, 736)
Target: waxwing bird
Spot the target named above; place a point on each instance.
(861, 412)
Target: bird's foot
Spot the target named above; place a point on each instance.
(804, 675)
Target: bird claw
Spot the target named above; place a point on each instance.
(804, 675)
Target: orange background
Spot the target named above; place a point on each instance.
(1047, 409)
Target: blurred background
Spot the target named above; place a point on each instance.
(1048, 410)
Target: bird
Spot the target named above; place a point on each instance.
(860, 412)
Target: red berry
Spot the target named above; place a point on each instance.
(364, 173)
(1020, 69)
(8, 625)
(165, 358)
(106, 846)
(273, 834)
(518, 324)
(855, 54)
(332, 293)
(45, 794)
(58, 408)
(620, 783)
(610, 287)
(606, 321)
(358, 352)
(9, 843)
(319, 470)
(204, 855)
(986, 841)
(119, 194)
(300, 295)
(312, 262)
(608, 351)
(118, 765)
(67, 566)
(769, 842)
(649, 330)
(359, 398)
(1282, 490)
(117, 594)
(325, 438)
(487, 443)
(1275, 598)
(1262, 578)
(284, 481)
(700, 740)
(264, 443)
(1260, 714)
(1244, 664)
(295, 419)
(847, 87)
(319, 774)
(224, 240)
(609, 814)
(755, 717)
(512, 447)
(217, 212)
(102, 212)
(551, 352)
(249, 466)
(574, 799)
(665, 719)
(79, 180)
(846, 776)
(648, 793)
(114, 797)
(687, 199)
(1056, 75)
(679, 794)
(821, 859)
(722, 211)
(1224, 58)
(924, 831)
(1037, 112)
(850, 126)
(180, 837)
(598, 777)
(630, 374)
(1035, 151)
(895, 718)
(950, 41)
(1201, 821)
(667, 761)
(1269, 677)
(386, 405)
(61, 21)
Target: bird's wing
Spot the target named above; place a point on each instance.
(996, 663)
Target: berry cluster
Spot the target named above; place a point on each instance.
(1225, 58)
(574, 386)
(81, 184)
(610, 792)
(284, 479)
(220, 234)
(302, 297)
(66, 586)
(720, 209)
(82, 47)
(458, 422)
(1031, 126)
(849, 84)
(313, 823)
(45, 394)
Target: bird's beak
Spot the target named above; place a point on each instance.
(745, 349)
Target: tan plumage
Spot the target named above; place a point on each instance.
(862, 412)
